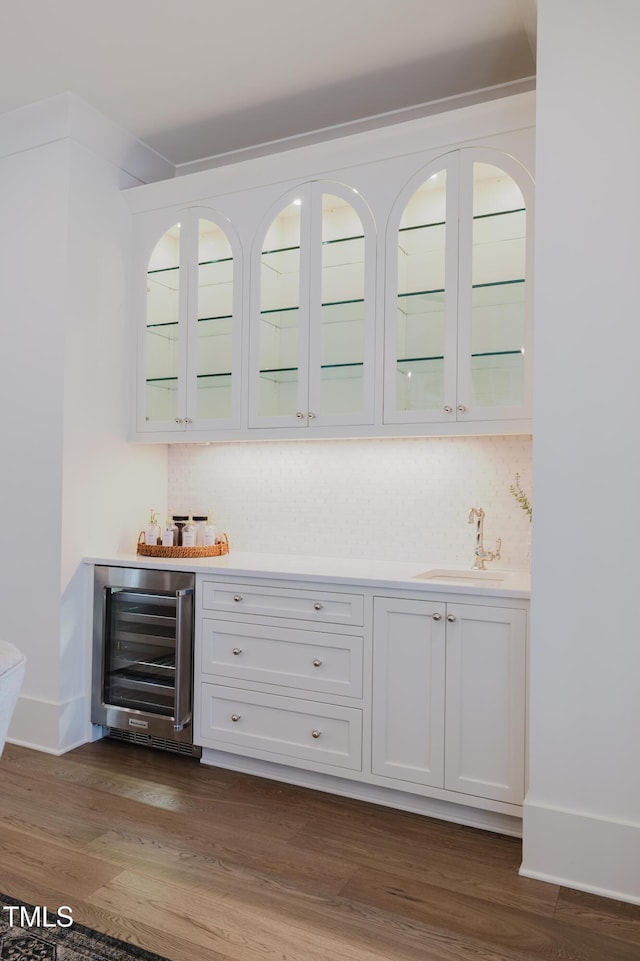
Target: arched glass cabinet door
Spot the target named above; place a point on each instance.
(421, 305)
(189, 367)
(312, 336)
(458, 309)
(495, 302)
(161, 353)
(213, 356)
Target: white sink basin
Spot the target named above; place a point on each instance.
(489, 578)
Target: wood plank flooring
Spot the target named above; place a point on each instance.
(201, 864)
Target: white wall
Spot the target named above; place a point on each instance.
(33, 259)
(70, 485)
(582, 814)
(405, 499)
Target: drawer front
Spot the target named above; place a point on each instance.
(295, 729)
(306, 659)
(321, 606)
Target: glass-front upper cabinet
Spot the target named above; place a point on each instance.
(312, 336)
(458, 331)
(189, 348)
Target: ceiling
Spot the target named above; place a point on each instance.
(197, 78)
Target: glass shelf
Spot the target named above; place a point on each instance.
(171, 383)
(485, 353)
(216, 260)
(402, 230)
(335, 311)
(162, 270)
(494, 284)
(337, 240)
(199, 320)
(287, 375)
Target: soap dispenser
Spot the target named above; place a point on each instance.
(209, 534)
(189, 533)
(152, 530)
(170, 533)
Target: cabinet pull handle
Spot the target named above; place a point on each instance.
(461, 408)
(317, 606)
(235, 717)
(437, 617)
(236, 651)
(451, 618)
(316, 734)
(317, 663)
(237, 598)
(448, 409)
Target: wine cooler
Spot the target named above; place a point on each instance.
(142, 685)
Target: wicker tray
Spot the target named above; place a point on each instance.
(151, 550)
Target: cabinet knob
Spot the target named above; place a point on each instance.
(178, 420)
(437, 617)
(461, 408)
(188, 420)
(236, 651)
(316, 734)
(317, 663)
(237, 598)
(451, 618)
(299, 415)
(235, 717)
(447, 409)
(317, 606)
(311, 415)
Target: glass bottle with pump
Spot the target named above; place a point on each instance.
(170, 533)
(189, 534)
(200, 521)
(209, 534)
(152, 530)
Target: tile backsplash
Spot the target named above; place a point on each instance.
(404, 498)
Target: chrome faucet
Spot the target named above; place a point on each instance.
(477, 514)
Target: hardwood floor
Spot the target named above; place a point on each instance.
(201, 864)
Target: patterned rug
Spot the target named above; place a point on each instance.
(29, 933)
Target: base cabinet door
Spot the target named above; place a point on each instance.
(485, 701)
(449, 697)
(408, 690)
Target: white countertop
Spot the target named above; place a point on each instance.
(374, 572)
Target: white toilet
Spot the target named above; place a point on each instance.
(12, 665)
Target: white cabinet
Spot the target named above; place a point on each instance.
(386, 290)
(279, 673)
(419, 699)
(485, 701)
(312, 330)
(458, 336)
(290, 730)
(449, 697)
(408, 691)
(188, 273)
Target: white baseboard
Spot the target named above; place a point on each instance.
(50, 726)
(582, 851)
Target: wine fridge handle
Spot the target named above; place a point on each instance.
(184, 609)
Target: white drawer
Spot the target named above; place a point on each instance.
(305, 659)
(306, 604)
(314, 733)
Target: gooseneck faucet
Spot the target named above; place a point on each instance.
(477, 514)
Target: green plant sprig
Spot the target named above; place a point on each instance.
(521, 497)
